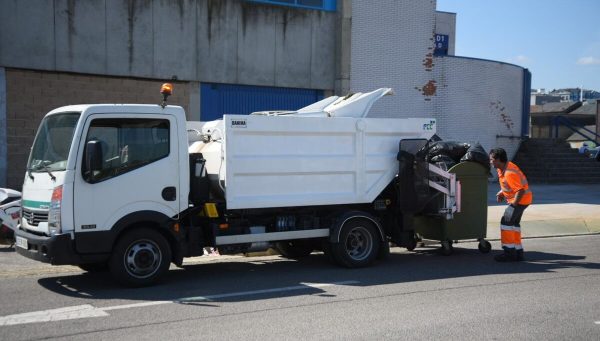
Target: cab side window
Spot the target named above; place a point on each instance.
(125, 145)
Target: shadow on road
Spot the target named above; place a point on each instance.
(209, 279)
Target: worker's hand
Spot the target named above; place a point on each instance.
(499, 197)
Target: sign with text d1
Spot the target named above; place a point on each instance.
(441, 45)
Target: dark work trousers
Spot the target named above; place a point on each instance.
(510, 227)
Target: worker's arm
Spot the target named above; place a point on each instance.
(500, 196)
(519, 195)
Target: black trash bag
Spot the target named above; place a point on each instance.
(444, 159)
(477, 154)
(453, 149)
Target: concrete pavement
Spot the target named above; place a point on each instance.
(557, 210)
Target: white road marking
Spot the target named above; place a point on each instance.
(597, 322)
(135, 305)
(52, 315)
(264, 291)
(89, 311)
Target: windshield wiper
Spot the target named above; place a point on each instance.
(44, 166)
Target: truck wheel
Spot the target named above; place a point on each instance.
(140, 258)
(359, 244)
(293, 249)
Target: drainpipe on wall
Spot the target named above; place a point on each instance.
(3, 141)
(343, 47)
(526, 104)
(598, 121)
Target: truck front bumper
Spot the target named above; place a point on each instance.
(56, 250)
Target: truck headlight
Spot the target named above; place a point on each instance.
(54, 221)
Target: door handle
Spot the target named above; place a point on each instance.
(169, 193)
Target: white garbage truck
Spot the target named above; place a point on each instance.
(134, 188)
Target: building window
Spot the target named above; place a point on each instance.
(325, 5)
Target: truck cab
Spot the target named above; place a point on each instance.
(95, 169)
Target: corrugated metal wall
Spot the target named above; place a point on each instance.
(219, 99)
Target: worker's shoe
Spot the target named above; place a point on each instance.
(509, 255)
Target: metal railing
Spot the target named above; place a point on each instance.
(557, 121)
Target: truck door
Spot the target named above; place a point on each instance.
(139, 170)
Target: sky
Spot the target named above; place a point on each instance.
(557, 40)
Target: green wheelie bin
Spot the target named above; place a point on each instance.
(471, 221)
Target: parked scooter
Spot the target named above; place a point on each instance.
(10, 213)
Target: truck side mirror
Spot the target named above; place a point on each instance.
(93, 156)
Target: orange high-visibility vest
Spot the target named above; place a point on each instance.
(511, 181)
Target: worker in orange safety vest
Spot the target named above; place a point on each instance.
(514, 189)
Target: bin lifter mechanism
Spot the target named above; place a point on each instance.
(451, 189)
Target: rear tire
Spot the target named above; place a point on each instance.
(359, 244)
(140, 258)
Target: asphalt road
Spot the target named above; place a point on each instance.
(555, 295)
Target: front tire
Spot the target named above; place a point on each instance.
(140, 258)
(359, 244)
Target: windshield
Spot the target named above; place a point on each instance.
(53, 142)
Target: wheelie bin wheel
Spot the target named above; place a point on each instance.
(447, 248)
(484, 246)
(412, 244)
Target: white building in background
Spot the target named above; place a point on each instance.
(474, 100)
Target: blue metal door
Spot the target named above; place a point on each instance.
(219, 99)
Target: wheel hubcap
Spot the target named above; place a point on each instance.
(359, 243)
(142, 258)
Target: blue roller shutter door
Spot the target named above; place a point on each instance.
(220, 99)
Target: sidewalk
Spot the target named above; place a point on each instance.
(557, 210)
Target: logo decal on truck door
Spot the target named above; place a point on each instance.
(238, 123)
(429, 126)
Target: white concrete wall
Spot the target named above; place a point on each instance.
(477, 100)
(473, 100)
(392, 46)
(225, 41)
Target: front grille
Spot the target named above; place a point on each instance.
(35, 217)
